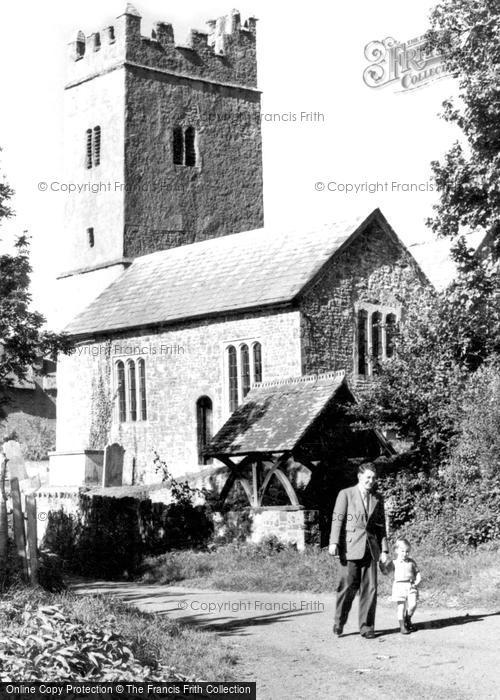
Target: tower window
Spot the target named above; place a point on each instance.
(88, 148)
(189, 146)
(184, 146)
(93, 147)
(80, 46)
(178, 146)
(203, 427)
(97, 145)
(90, 237)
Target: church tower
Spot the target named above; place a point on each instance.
(163, 140)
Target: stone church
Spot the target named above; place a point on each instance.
(225, 347)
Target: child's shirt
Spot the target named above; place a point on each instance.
(406, 570)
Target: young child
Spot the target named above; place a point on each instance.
(405, 587)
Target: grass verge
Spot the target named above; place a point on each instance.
(468, 579)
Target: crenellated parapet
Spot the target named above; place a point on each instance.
(225, 53)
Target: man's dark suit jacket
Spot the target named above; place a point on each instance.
(353, 528)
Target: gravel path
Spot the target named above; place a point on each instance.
(284, 642)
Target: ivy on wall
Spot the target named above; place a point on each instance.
(101, 401)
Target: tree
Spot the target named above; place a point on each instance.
(22, 337)
(468, 178)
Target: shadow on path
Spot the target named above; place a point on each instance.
(442, 623)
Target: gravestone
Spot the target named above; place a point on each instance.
(16, 466)
(112, 473)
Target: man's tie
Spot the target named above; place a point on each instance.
(366, 501)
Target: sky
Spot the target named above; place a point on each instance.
(310, 59)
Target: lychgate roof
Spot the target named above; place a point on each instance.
(236, 272)
(275, 415)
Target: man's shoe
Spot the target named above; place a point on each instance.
(402, 628)
(337, 630)
(368, 635)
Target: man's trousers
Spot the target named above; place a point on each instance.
(357, 574)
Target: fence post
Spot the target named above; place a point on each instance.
(18, 520)
(31, 527)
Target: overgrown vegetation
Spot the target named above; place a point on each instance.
(440, 393)
(65, 637)
(115, 528)
(271, 566)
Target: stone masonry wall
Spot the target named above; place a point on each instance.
(99, 204)
(290, 525)
(226, 53)
(138, 89)
(183, 363)
(167, 205)
(372, 269)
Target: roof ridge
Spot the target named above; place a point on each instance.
(298, 230)
(308, 378)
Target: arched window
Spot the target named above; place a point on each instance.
(80, 45)
(232, 364)
(203, 427)
(120, 381)
(178, 146)
(376, 338)
(97, 41)
(362, 342)
(142, 389)
(184, 146)
(245, 369)
(132, 398)
(97, 145)
(190, 146)
(390, 331)
(131, 390)
(257, 362)
(88, 148)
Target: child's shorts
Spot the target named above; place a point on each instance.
(404, 591)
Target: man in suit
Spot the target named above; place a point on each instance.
(358, 537)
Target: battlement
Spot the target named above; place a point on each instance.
(226, 53)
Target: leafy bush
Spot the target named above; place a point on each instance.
(111, 534)
(74, 638)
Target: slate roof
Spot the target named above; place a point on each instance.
(275, 415)
(240, 271)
